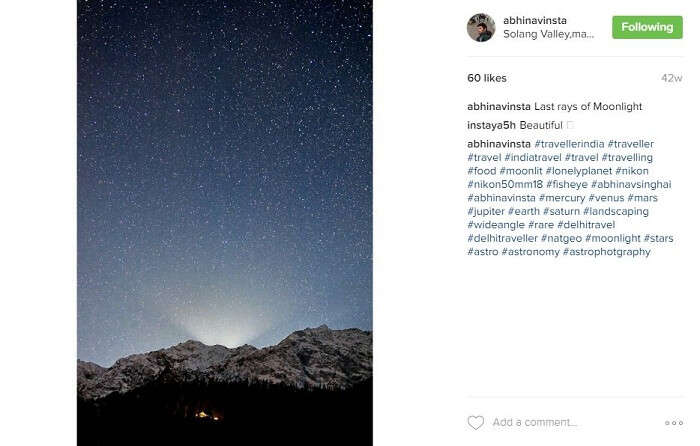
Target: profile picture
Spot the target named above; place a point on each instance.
(481, 27)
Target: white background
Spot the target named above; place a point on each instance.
(609, 343)
(38, 223)
(447, 328)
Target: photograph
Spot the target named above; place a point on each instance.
(224, 211)
(481, 27)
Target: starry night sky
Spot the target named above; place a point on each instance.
(224, 171)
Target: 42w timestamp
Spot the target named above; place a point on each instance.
(672, 78)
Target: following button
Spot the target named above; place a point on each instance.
(647, 27)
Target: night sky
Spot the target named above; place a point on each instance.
(224, 171)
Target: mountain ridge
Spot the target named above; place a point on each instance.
(309, 358)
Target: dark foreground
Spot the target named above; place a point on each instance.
(199, 413)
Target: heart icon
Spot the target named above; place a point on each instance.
(475, 421)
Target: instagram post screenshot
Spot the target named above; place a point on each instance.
(361, 222)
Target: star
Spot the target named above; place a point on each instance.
(224, 172)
